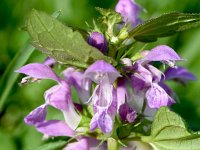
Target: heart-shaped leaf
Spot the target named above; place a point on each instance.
(169, 132)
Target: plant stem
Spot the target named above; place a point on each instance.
(112, 144)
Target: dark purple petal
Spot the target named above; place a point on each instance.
(49, 62)
(55, 128)
(105, 122)
(157, 97)
(179, 73)
(39, 71)
(38, 115)
(129, 10)
(162, 53)
(127, 113)
(100, 70)
(98, 40)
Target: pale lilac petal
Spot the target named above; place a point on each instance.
(126, 113)
(58, 96)
(179, 73)
(72, 118)
(162, 53)
(142, 75)
(156, 74)
(39, 71)
(105, 123)
(112, 109)
(98, 40)
(81, 84)
(100, 69)
(105, 95)
(157, 97)
(55, 128)
(130, 10)
(38, 115)
(122, 92)
(93, 122)
(81, 144)
(86, 143)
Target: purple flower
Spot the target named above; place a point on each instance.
(98, 40)
(126, 113)
(104, 96)
(145, 82)
(59, 96)
(130, 11)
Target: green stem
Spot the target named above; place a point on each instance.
(112, 144)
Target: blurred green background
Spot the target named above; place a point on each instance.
(14, 134)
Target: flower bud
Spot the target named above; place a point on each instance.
(97, 40)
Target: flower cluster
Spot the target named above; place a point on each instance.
(111, 95)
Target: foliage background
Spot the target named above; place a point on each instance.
(14, 134)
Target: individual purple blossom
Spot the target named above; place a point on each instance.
(130, 11)
(59, 96)
(146, 78)
(126, 113)
(98, 40)
(104, 96)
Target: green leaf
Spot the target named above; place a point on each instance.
(169, 132)
(9, 77)
(52, 146)
(61, 42)
(165, 25)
